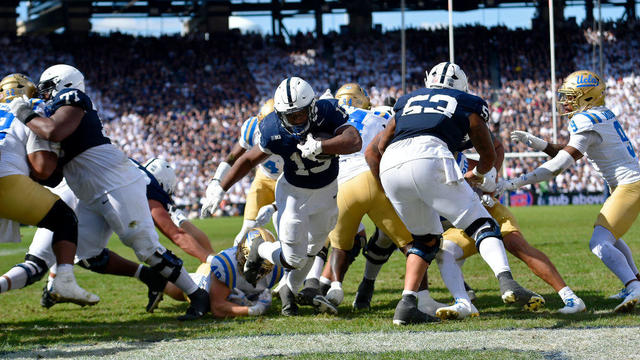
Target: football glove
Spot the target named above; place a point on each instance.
(488, 183)
(532, 141)
(212, 199)
(488, 200)
(238, 296)
(262, 305)
(177, 216)
(310, 148)
(264, 215)
(508, 185)
(22, 109)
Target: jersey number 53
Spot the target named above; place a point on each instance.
(431, 104)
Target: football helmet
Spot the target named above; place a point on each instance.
(352, 94)
(59, 77)
(295, 105)
(16, 85)
(243, 250)
(266, 109)
(446, 75)
(580, 91)
(163, 172)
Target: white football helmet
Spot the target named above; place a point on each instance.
(294, 98)
(163, 172)
(446, 75)
(59, 77)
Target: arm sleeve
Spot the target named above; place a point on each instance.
(548, 170)
(582, 141)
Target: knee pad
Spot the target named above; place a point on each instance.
(376, 253)
(359, 242)
(34, 273)
(97, 263)
(62, 221)
(166, 264)
(425, 246)
(483, 228)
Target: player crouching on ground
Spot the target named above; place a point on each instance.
(229, 291)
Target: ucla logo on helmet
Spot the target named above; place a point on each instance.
(588, 80)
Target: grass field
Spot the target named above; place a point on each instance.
(118, 326)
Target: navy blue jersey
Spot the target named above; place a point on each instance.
(443, 113)
(299, 171)
(88, 134)
(154, 189)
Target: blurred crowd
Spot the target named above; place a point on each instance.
(184, 98)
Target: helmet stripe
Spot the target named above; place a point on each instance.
(444, 72)
(289, 91)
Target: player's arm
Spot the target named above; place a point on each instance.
(497, 145)
(242, 166)
(198, 234)
(43, 164)
(372, 155)
(177, 235)
(481, 140)
(346, 141)
(235, 153)
(387, 135)
(60, 125)
(536, 143)
(220, 306)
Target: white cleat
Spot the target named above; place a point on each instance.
(335, 295)
(620, 295)
(65, 289)
(629, 302)
(573, 305)
(458, 311)
(429, 306)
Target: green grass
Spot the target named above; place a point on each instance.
(563, 233)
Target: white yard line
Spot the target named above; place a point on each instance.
(592, 343)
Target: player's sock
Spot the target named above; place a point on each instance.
(325, 281)
(296, 277)
(17, 276)
(450, 272)
(602, 245)
(624, 249)
(566, 293)
(492, 251)
(371, 270)
(271, 251)
(316, 268)
(409, 292)
(185, 282)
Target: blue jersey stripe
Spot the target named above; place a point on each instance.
(233, 269)
(274, 275)
(598, 118)
(254, 125)
(591, 117)
(225, 267)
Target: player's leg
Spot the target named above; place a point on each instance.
(311, 285)
(261, 193)
(626, 251)
(126, 211)
(616, 217)
(24, 200)
(376, 252)
(452, 275)
(425, 228)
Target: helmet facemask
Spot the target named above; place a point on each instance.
(298, 121)
(581, 91)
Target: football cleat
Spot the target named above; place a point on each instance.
(65, 289)
(514, 293)
(154, 299)
(200, 305)
(573, 305)
(288, 299)
(324, 306)
(620, 295)
(307, 294)
(47, 301)
(335, 295)
(407, 312)
(254, 261)
(429, 305)
(458, 311)
(470, 292)
(155, 288)
(629, 302)
(364, 295)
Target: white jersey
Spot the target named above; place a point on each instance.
(17, 140)
(369, 124)
(224, 267)
(249, 136)
(613, 157)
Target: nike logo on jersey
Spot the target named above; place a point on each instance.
(104, 202)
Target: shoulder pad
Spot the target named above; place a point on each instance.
(223, 268)
(248, 130)
(72, 97)
(583, 121)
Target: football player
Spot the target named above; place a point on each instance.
(25, 201)
(420, 176)
(230, 293)
(457, 246)
(595, 133)
(306, 192)
(110, 189)
(359, 193)
(93, 237)
(262, 190)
